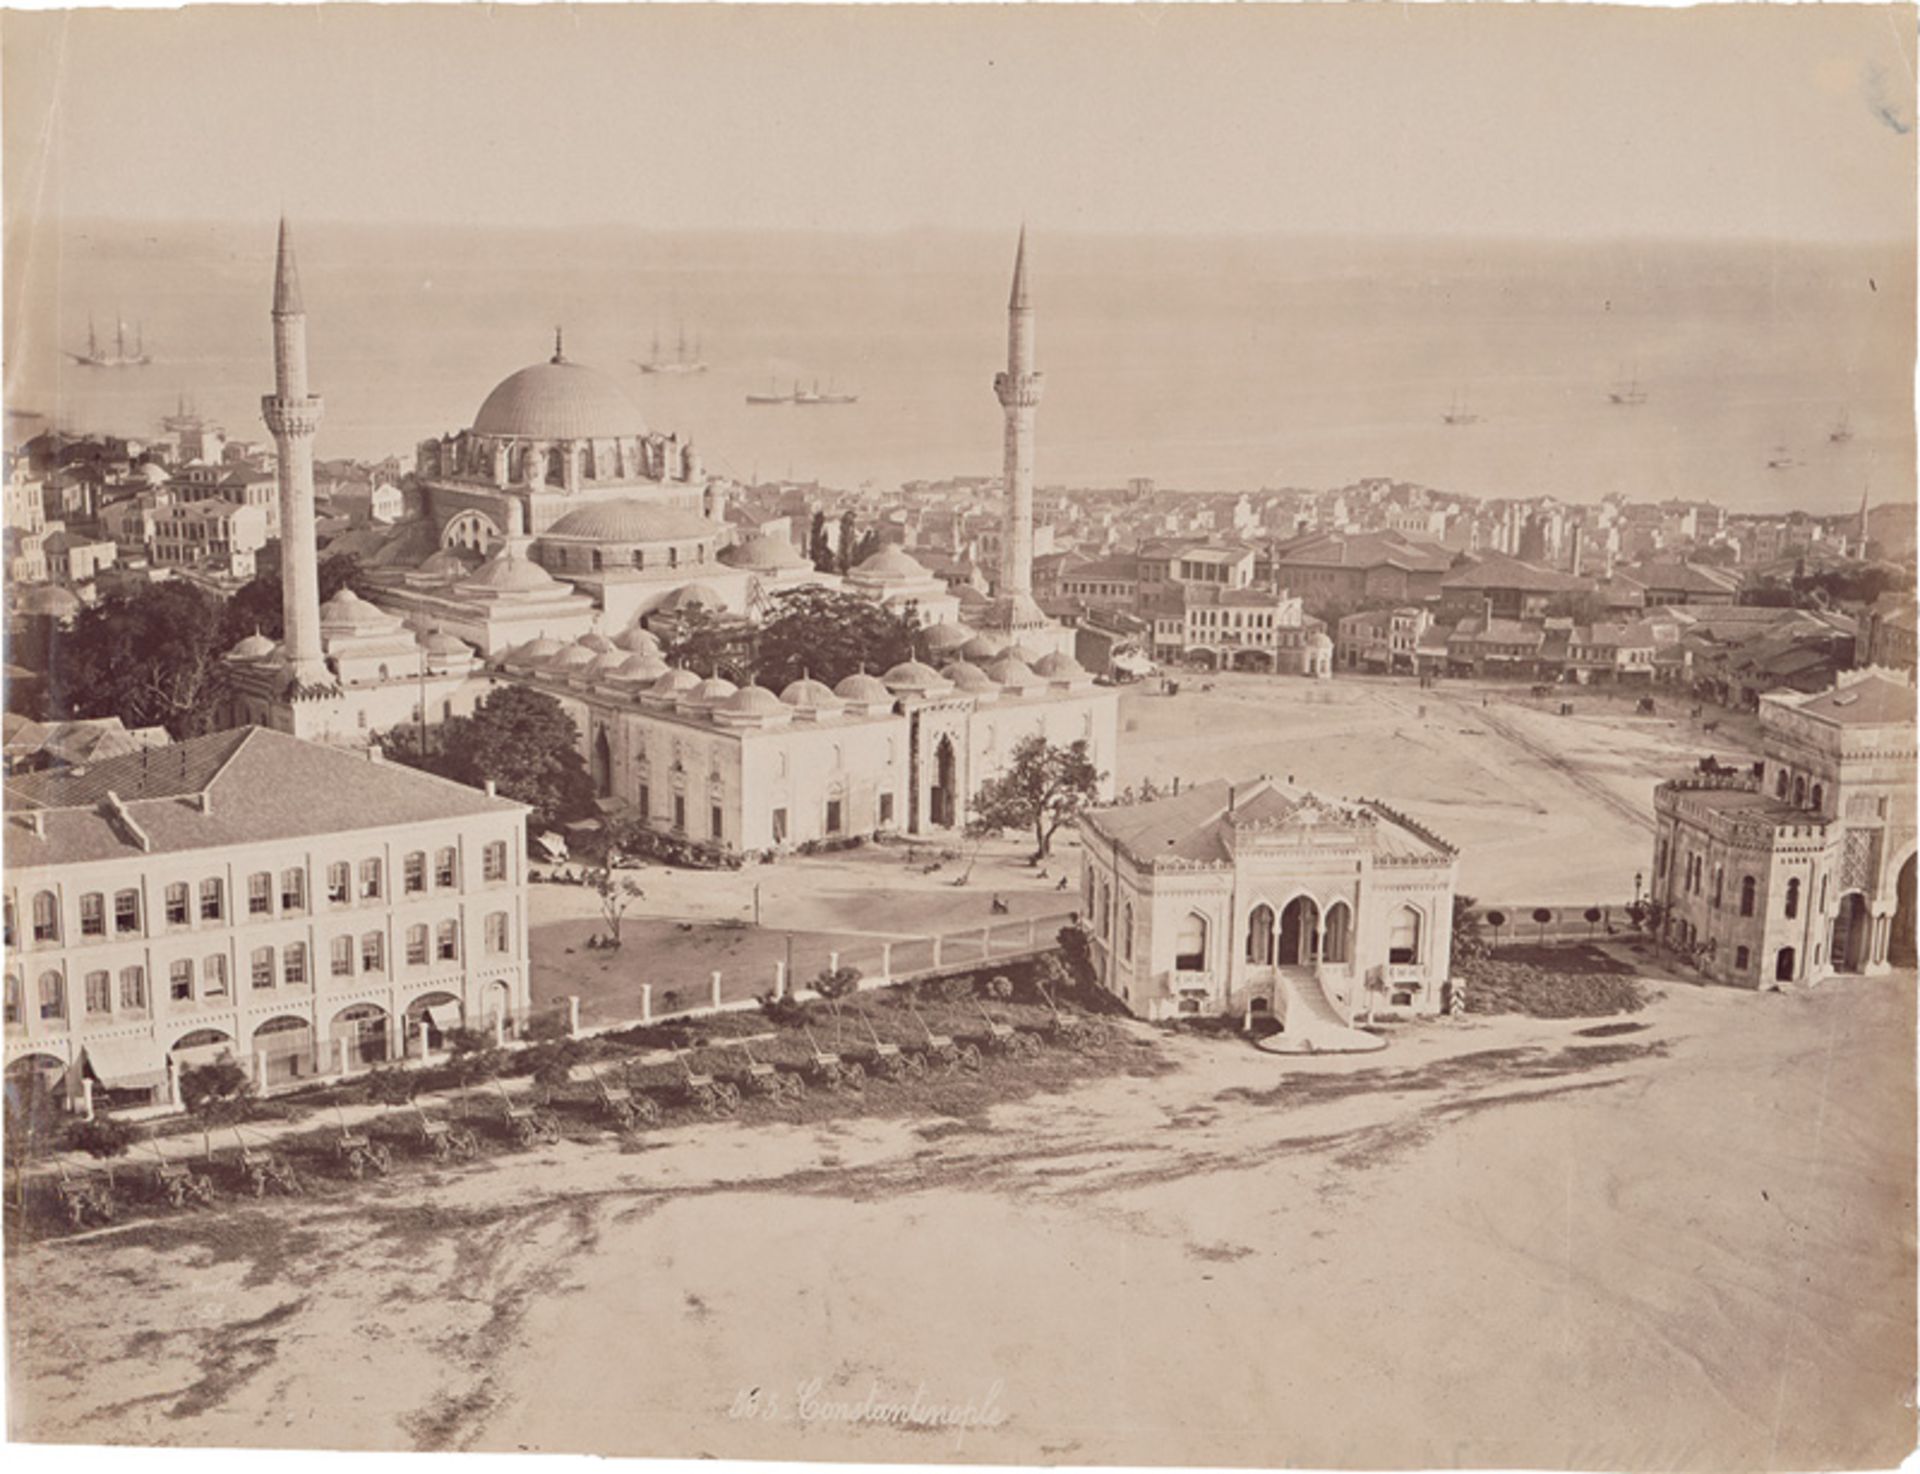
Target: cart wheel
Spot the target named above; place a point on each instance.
(106, 1207)
(968, 1056)
(729, 1095)
(177, 1193)
(76, 1214)
(356, 1164)
(916, 1066)
(646, 1111)
(464, 1142)
(857, 1075)
(202, 1189)
(381, 1157)
(257, 1179)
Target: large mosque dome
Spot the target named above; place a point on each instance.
(559, 400)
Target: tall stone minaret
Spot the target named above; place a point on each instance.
(1018, 390)
(293, 415)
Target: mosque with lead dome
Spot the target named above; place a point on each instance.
(558, 528)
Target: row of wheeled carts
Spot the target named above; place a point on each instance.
(713, 1078)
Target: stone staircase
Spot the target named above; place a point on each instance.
(1313, 1024)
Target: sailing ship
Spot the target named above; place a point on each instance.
(1459, 414)
(815, 396)
(1842, 430)
(1628, 394)
(1781, 459)
(681, 363)
(774, 396)
(97, 357)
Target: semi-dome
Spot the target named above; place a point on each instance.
(949, 636)
(710, 693)
(506, 572)
(347, 610)
(535, 651)
(891, 565)
(575, 657)
(675, 683)
(627, 520)
(914, 675)
(967, 676)
(256, 646)
(694, 596)
(981, 648)
(444, 564)
(559, 400)
(639, 639)
(1057, 666)
(765, 552)
(752, 701)
(640, 666)
(813, 695)
(864, 689)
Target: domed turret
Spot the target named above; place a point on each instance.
(641, 667)
(1059, 666)
(942, 638)
(966, 676)
(1015, 675)
(574, 657)
(441, 643)
(980, 649)
(534, 652)
(638, 639)
(708, 694)
(675, 684)
(752, 706)
(864, 691)
(913, 678)
(812, 697)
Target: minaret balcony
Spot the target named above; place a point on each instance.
(1019, 391)
(292, 416)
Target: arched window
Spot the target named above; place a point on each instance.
(1126, 932)
(1337, 943)
(1190, 944)
(46, 917)
(1660, 858)
(1719, 884)
(53, 996)
(1748, 889)
(417, 945)
(1818, 793)
(413, 872)
(1793, 899)
(1260, 935)
(13, 999)
(1780, 786)
(1403, 937)
(1741, 957)
(1799, 793)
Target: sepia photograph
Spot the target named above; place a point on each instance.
(1165, 735)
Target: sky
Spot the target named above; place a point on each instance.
(1763, 121)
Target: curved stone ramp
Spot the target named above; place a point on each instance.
(1314, 1025)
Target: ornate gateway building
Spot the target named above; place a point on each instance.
(1803, 867)
(1257, 897)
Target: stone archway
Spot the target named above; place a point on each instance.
(1299, 942)
(942, 801)
(287, 1044)
(440, 1012)
(1783, 964)
(1900, 938)
(363, 1027)
(1850, 945)
(1253, 660)
(1260, 938)
(1337, 945)
(602, 761)
(1202, 658)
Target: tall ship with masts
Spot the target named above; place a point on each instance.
(682, 362)
(1459, 414)
(1628, 394)
(1842, 430)
(120, 356)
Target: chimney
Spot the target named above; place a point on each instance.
(37, 822)
(492, 791)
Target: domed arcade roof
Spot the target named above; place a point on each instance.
(256, 646)
(506, 572)
(559, 400)
(892, 565)
(913, 675)
(865, 689)
(348, 610)
(630, 521)
(813, 695)
(764, 552)
(968, 677)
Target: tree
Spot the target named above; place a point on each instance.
(834, 983)
(1043, 788)
(256, 607)
(868, 546)
(215, 1094)
(1542, 916)
(152, 658)
(705, 640)
(1593, 915)
(819, 549)
(616, 893)
(1468, 944)
(520, 738)
(829, 635)
(1496, 920)
(848, 543)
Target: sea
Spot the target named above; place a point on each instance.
(1204, 363)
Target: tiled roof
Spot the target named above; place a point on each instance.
(1511, 573)
(1197, 825)
(246, 786)
(1872, 699)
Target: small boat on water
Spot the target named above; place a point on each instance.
(1842, 430)
(682, 362)
(1459, 414)
(120, 357)
(1781, 459)
(774, 396)
(815, 396)
(1628, 395)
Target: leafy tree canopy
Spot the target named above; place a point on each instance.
(829, 635)
(256, 606)
(151, 657)
(1043, 788)
(520, 738)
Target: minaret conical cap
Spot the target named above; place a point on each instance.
(1019, 298)
(286, 277)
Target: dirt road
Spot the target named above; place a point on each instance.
(1506, 1242)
